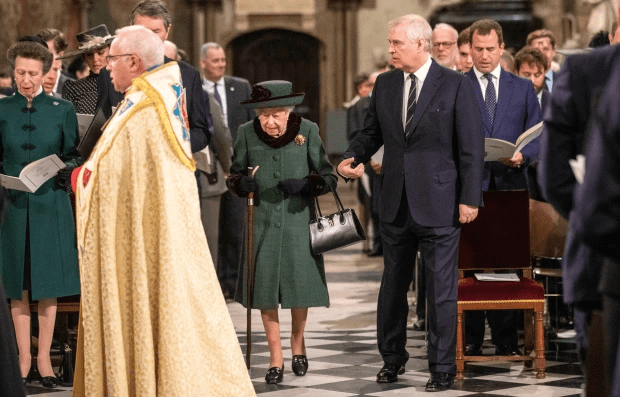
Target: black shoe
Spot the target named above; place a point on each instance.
(440, 381)
(274, 375)
(300, 365)
(473, 349)
(389, 373)
(507, 350)
(25, 381)
(50, 382)
(419, 325)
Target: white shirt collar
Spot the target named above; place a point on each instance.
(421, 72)
(210, 83)
(495, 73)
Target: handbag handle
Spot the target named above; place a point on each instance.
(339, 205)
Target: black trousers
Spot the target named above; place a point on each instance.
(611, 326)
(230, 244)
(439, 248)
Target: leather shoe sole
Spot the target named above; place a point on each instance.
(389, 373)
(419, 325)
(440, 381)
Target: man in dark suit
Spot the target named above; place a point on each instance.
(228, 91)
(57, 45)
(568, 118)
(508, 106)
(530, 63)
(597, 217)
(544, 41)
(154, 15)
(426, 117)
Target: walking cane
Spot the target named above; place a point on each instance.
(249, 268)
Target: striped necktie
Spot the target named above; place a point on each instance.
(411, 102)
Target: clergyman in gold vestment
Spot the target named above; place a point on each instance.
(153, 319)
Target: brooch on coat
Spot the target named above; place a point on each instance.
(300, 139)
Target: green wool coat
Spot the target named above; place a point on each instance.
(25, 136)
(287, 273)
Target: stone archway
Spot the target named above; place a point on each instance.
(279, 54)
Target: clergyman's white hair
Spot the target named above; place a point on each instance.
(417, 28)
(145, 44)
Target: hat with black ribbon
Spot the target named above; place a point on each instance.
(91, 40)
(273, 94)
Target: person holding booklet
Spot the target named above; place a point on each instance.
(39, 255)
(509, 107)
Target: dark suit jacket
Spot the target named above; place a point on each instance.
(237, 90)
(517, 110)
(198, 110)
(61, 83)
(544, 100)
(355, 117)
(440, 163)
(597, 201)
(576, 93)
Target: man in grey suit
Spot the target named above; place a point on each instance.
(228, 91)
(210, 166)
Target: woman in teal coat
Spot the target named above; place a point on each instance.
(39, 253)
(293, 168)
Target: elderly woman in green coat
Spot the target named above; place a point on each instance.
(39, 253)
(293, 168)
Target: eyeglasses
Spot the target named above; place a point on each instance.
(445, 44)
(110, 58)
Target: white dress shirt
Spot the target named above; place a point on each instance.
(221, 89)
(420, 75)
(484, 82)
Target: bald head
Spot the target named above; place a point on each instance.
(171, 50)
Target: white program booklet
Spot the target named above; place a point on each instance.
(34, 174)
(495, 149)
(496, 277)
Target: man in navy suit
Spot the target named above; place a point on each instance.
(508, 106)
(544, 41)
(530, 63)
(568, 118)
(597, 216)
(228, 91)
(426, 117)
(154, 15)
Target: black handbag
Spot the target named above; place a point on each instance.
(336, 230)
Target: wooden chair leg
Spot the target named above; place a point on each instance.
(529, 331)
(460, 363)
(540, 361)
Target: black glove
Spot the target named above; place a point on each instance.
(295, 187)
(63, 179)
(247, 184)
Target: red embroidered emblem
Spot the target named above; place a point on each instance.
(86, 177)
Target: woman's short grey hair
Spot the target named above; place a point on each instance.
(30, 50)
(208, 46)
(287, 108)
(417, 28)
(139, 40)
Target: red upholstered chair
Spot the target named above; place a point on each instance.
(499, 239)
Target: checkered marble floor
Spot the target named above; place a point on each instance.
(343, 357)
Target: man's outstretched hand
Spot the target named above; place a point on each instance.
(345, 169)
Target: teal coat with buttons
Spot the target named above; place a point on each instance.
(287, 273)
(48, 127)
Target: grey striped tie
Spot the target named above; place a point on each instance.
(411, 102)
